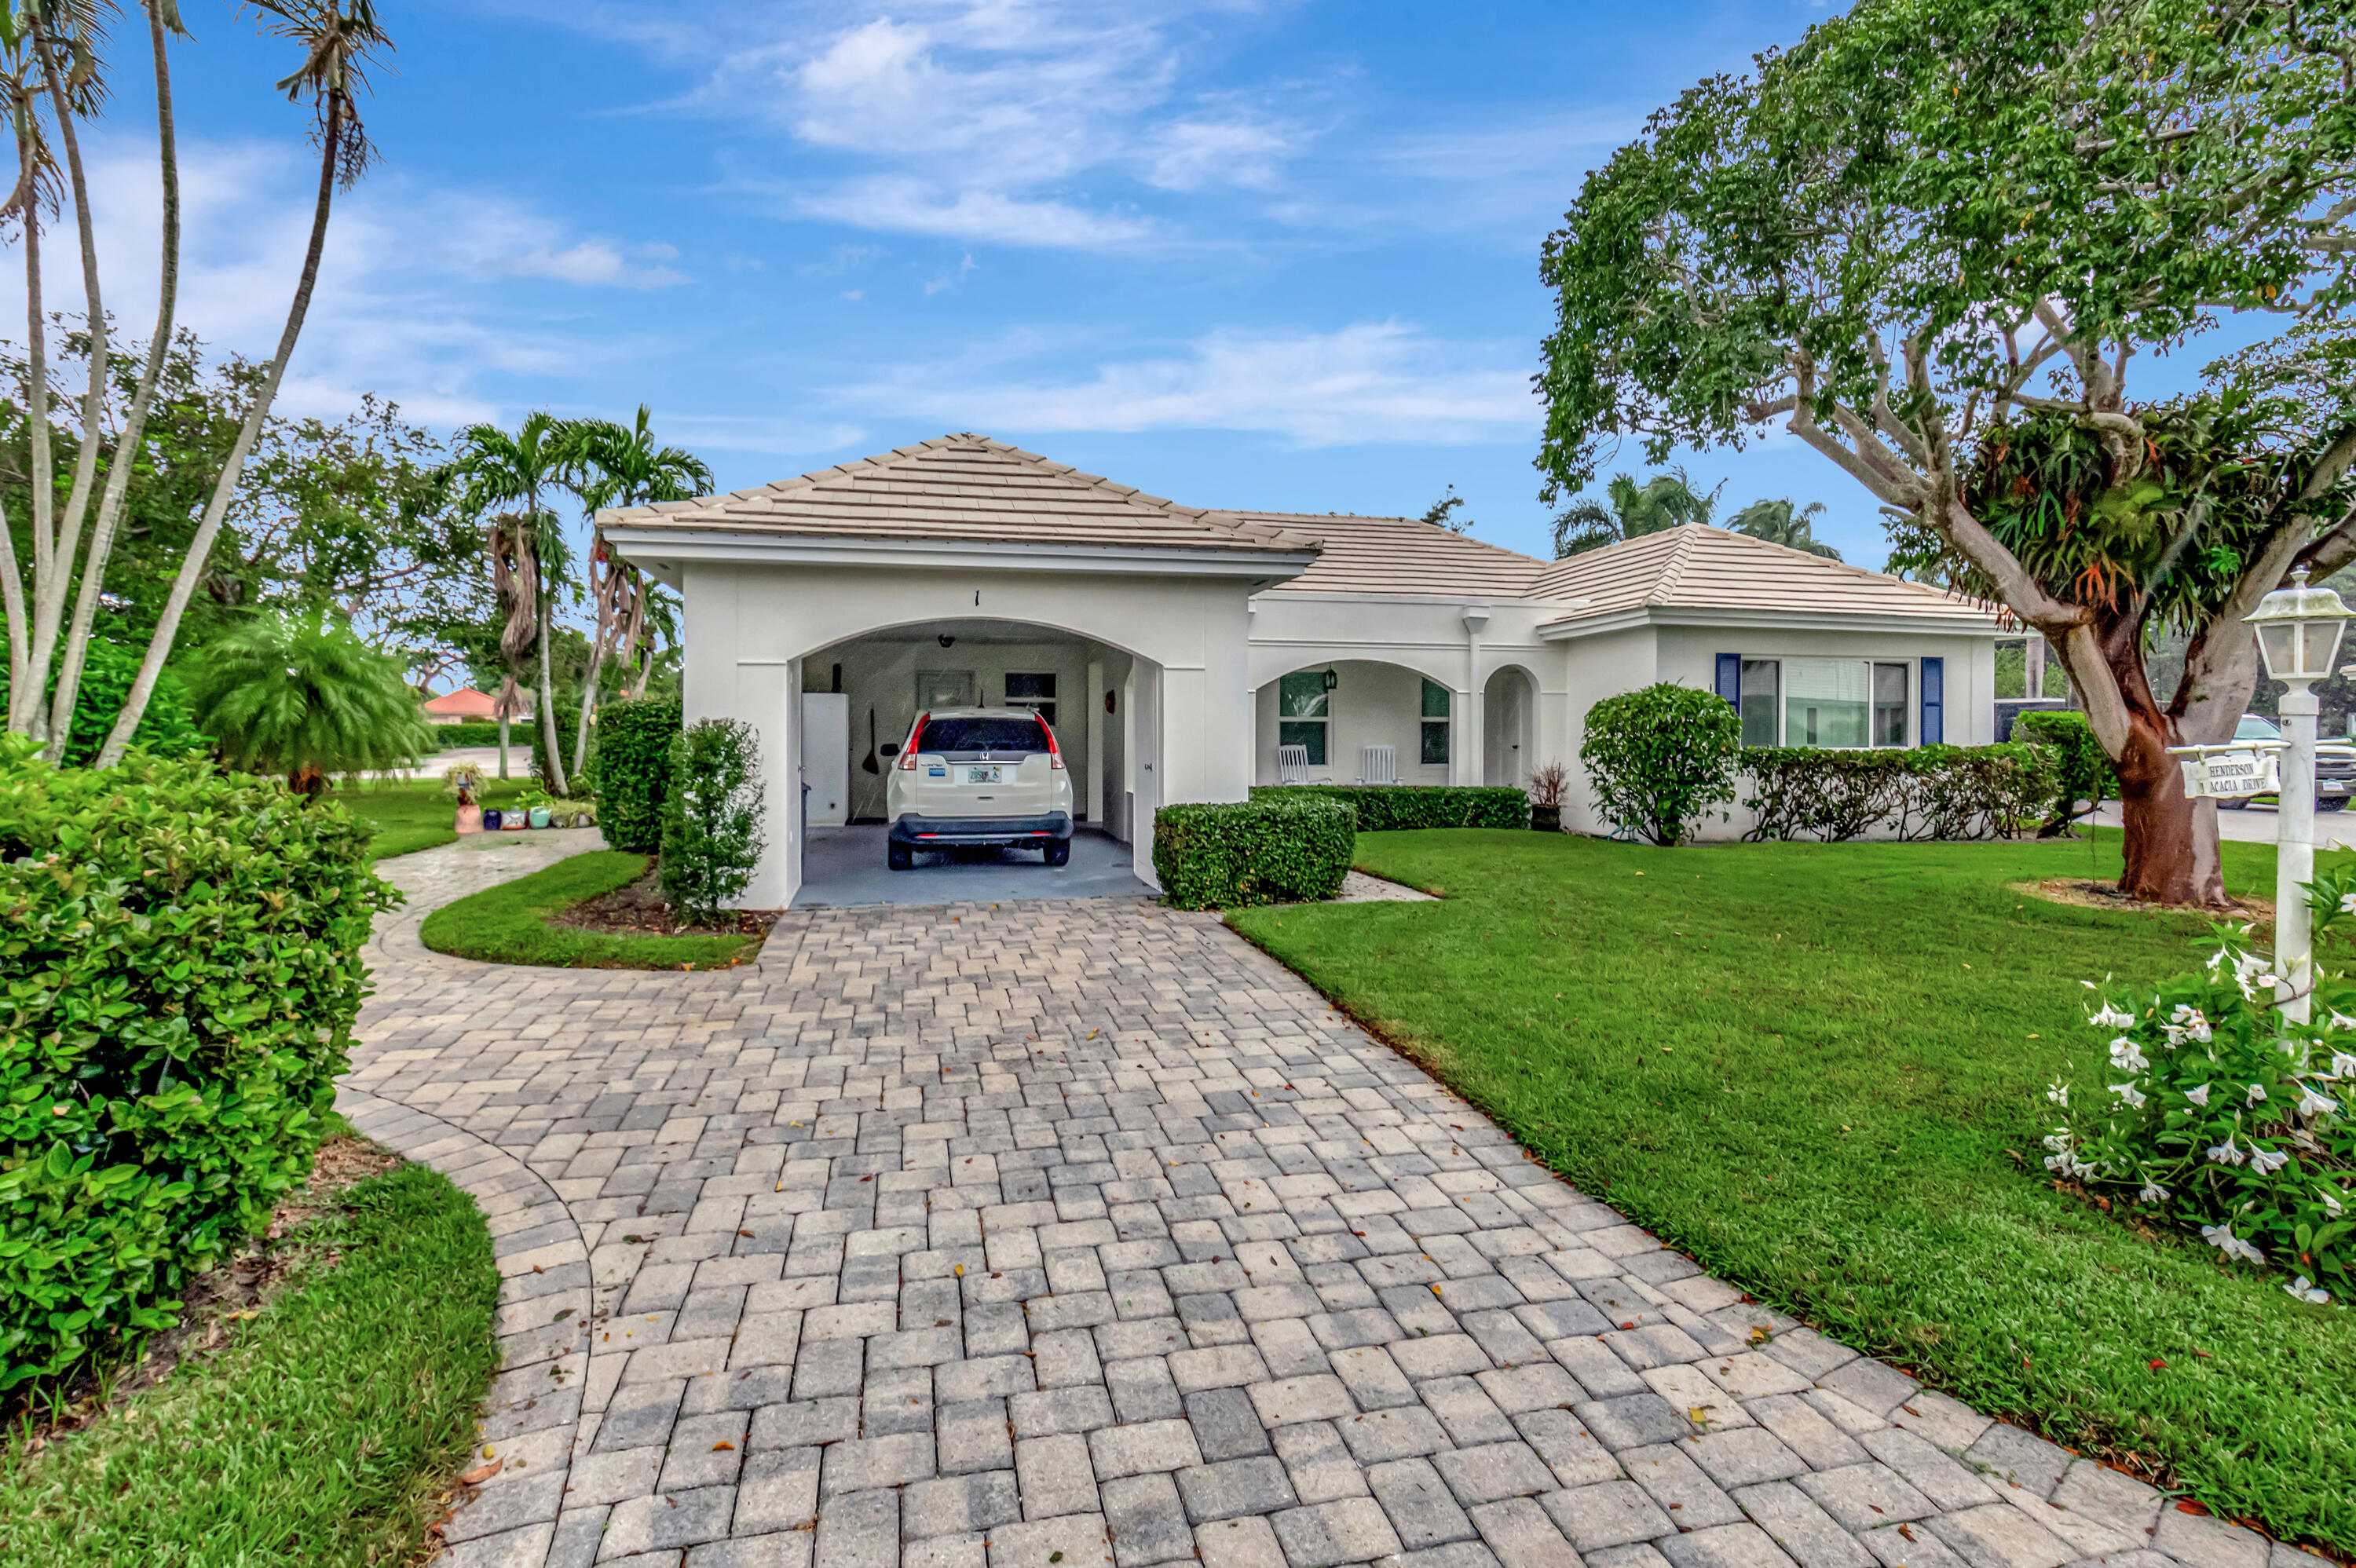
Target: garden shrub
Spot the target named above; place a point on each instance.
(630, 770)
(711, 818)
(1660, 758)
(1927, 792)
(1384, 808)
(1283, 845)
(168, 727)
(2217, 1113)
(182, 954)
(2086, 770)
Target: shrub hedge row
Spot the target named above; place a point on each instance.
(1287, 849)
(629, 769)
(2086, 770)
(1384, 808)
(1927, 792)
(168, 727)
(181, 967)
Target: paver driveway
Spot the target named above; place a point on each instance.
(1062, 1235)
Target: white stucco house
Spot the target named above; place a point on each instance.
(1175, 648)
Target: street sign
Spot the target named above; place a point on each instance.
(2231, 774)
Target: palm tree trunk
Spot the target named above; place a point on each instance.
(134, 423)
(167, 627)
(552, 767)
(503, 745)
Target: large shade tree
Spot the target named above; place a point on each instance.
(1936, 238)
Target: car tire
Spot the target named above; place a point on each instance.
(1059, 853)
(899, 856)
(2233, 806)
(2337, 803)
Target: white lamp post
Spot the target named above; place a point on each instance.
(2299, 631)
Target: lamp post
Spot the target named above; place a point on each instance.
(2299, 631)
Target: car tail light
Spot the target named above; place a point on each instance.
(908, 752)
(1055, 752)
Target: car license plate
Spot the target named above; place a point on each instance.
(990, 775)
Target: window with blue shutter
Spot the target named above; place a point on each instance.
(1729, 677)
(1934, 701)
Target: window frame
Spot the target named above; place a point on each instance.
(1426, 722)
(1908, 703)
(1290, 726)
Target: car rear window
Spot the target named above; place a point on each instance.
(960, 737)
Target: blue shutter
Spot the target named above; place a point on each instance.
(1729, 677)
(1934, 701)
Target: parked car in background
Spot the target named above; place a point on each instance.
(978, 775)
(2335, 765)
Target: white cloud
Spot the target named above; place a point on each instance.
(773, 436)
(1368, 382)
(915, 207)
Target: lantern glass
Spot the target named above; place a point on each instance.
(2299, 629)
(2322, 646)
(2278, 641)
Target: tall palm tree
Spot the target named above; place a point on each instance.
(1778, 522)
(513, 469)
(607, 465)
(1665, 501)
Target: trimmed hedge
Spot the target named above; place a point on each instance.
(1927, 792)
(629, 770)
(520, 733)
(181, 967)
(2086, 773)
(1385, 808)
(168, 727)
(1220, 855)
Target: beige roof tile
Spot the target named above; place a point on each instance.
(1700, 568)
(1401, 555)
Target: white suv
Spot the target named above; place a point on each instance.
(978, 775)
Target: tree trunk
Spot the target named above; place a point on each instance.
(503, 745)
(2171, 841)
(552, 767)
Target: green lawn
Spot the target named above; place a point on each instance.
(1820, 1069)
(413, 816)
(508, 923)
(321, 1437)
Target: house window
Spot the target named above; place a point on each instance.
(1762, 681)
(1303, 713)
(1435, 723)
(1036, 692)
(1837, 703)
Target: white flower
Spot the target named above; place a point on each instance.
(2128, 1092)
(2059, 1093)
(2256, 1094)
(2343, 1065)
(2225, 1153)
(2152, 1192)
(2311, 1103)
(2124, 1055)
(2338, 1018)
(2265, 1162)
(2348, 904)
(2303, 1288)
(2232, 1245)
(2330, 1200)
(2111, 1017)
(2198, 1096)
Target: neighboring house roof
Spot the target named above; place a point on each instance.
(965, 488)
(466, 702)
(1401, 555)
(1695, 567)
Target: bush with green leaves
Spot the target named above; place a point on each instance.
(2217, 1113)
(1661, 758)
(168, 727)
(1384, 808)
(1285, 846)
(302, 695)
(1922, 792)
(629, 770)
(182, 958)
(712, 820)
(2084, 770)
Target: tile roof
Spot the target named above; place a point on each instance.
(1700, 568)
(968, 488)
(464, 700)
(1401, 555)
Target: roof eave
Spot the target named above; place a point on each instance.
(1965, 624)
(661, 550)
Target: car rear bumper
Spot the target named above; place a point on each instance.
(940, 832)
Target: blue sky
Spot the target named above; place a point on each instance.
(1278, 255)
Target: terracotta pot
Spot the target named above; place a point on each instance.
(1546, 820)
(470, 819)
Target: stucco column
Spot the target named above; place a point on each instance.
(769, 698)
(1096, 800)
(1472, 723)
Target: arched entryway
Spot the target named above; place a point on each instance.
(1357, 720)
(1509, 726)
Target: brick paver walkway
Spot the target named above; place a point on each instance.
(1069, 1235)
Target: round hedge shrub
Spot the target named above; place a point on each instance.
(182, 958)
(1222, 855)
(712, 821)
(168, 727)
(1660, 758)
(629, 770)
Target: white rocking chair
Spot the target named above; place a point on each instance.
(1377, 766)
(1292, 765)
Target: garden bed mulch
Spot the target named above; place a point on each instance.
(641, 910)
(2085, 893)
(235, 1291)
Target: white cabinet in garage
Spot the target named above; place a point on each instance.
(826, 757)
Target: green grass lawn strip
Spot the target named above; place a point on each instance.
(321, 1437)
(1820, 1068)
(411, 815)
(509, 923)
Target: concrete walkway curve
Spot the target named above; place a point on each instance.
(1083, 1235)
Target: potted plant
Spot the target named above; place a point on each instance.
(462, 782)
(1547, 786)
